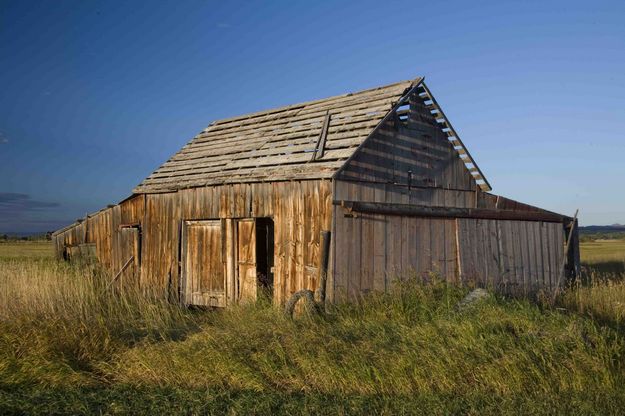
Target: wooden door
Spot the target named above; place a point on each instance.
(129, 252)
(203, 269)
(246, 250)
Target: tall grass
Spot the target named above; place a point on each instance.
(69, 345)
(59, 322)
(411, 341)
(603, 299)
(600, 292)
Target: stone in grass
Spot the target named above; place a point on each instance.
(473, 297)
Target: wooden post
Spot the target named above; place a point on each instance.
(119, 273)
(573, 260)
(323, 266)
(321, 141)
(565, 256)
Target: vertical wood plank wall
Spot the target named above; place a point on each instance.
(203, 277)
(372, 250)
(520, 257)
(299, 209)
(410, 160)
(102, 229)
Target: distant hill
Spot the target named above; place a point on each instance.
(602, 232)
(593, 229)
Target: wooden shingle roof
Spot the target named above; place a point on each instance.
(310, 140)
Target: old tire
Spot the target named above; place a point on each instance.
(309, 299)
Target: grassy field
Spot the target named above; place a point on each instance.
(68, 346)
(602, 294)
(604, 256)
(25, 250)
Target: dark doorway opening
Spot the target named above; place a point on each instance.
(264, 256)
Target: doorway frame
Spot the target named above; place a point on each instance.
(230, 255)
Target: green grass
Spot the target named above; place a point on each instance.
(25, 250)
(67, 346)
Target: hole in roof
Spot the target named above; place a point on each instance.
(403, 112)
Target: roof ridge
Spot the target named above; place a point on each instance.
(301, 104)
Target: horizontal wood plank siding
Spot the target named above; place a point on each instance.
(411, 152)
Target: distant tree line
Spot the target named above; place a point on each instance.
(35, 237)
(615, 235)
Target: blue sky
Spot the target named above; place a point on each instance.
(95, 95)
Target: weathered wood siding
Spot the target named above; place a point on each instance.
(411, 160)
(390, 145)
(412, 151)
(103, 230)
(299, 209)
(203, 278)
(518, 257)
(246, 260)
(100, 232)
(70, 236)
(371, 250)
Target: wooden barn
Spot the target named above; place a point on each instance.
(363, 188)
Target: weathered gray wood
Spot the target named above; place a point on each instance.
(323, 264)
(573, 254)
(567, 247)
(446, 124)
(309, 104)
(321, 143)
(446, 212)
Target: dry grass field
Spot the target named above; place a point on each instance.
(70, 346)
(604, 256)
(25, 250)
(601, 293)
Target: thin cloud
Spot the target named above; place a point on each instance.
(20, 213)
(30, 226)
(223, 25)
(16, 203)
